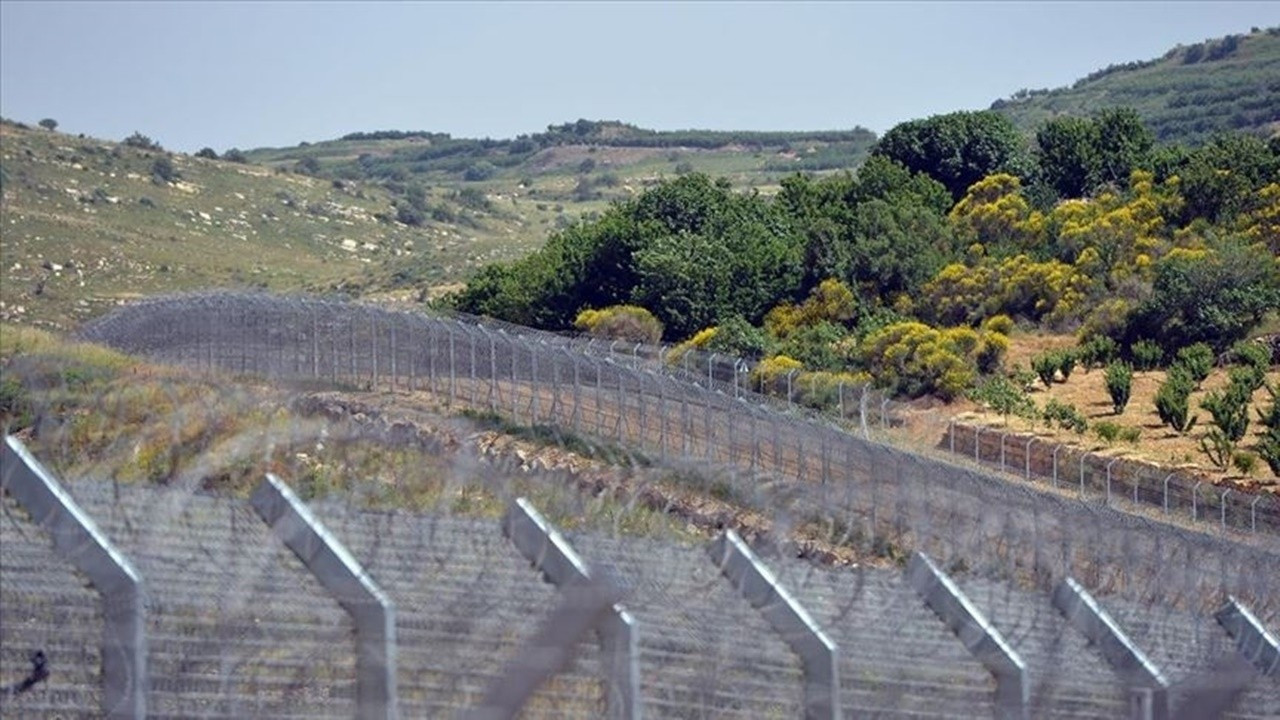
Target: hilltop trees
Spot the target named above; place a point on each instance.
(957, 149)
(48, 124)
(912, 268)
(1077, 156)
(690, 250)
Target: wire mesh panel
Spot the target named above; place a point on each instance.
(50, 618)
(237, 626)
(1011, 521)
(897, 659)
(465, 601)
(704, 651)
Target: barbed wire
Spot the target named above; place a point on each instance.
(364, 410)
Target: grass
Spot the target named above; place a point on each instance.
(87, 411)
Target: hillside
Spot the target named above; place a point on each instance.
(87, 223)
(1185, 96)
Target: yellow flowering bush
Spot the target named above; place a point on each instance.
(620, 322)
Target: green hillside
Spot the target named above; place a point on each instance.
(88, 223)
(1191, 92)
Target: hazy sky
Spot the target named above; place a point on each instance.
(248, 74)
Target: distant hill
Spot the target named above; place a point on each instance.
(88, 223)
(1185, 96)
(576, 148)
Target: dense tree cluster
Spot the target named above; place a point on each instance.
(915, 268)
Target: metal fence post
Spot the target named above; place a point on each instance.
(552, 555)
(1056, 448)
(1086, 615)
(1223, 500)
(471, 337)
(391, 342)
(576, 418)
(373, 343)
(819, 655)
(1166, 492)
(1194, 509)
(1253, 641)
(77, 539)
(1083, 457)
(980, 637)
(453, 369)
(1027, 455)
(372, 612)
(1113, 462)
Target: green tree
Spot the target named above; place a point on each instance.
(957, 149)
(1198, 360)
(1221, 179)
(49, 124)
(1173, 400)
(1119, 381)
(1067, 154)
(207, 153)
(1214, 297)
(1123, 145)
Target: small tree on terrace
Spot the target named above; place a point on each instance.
(49, 124)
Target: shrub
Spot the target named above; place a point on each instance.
(48, 124)
(1245, 462)
(816, 346)
(1230, 410)
(1253, 355)
(621, 322)
(914, 359)
(409, 215)
(1022, 377)
(1131, 435)
(207, 153)
(991, 350)
(1146, 354)
(831, 301)
(1218, 447)
(1107, 431)
(1247, 378)
(235, 155)
(737, 337)
(163, 171)
(1097, 351)
(1004, 397)
(482, 170)
(770, 374)
(142, 142)
(1066, 363)
(1002, 324)
(1065, 415)
(1269, 449)
(1119, 380)
(1173, 400)
(1197, 360)
(821, 390)
(1045, 366)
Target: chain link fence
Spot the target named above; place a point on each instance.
(303, 377)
